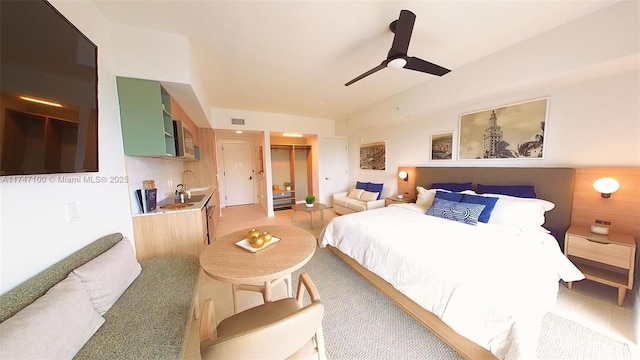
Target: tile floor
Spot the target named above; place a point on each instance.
(590, 304)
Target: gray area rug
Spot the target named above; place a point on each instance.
(362, 323)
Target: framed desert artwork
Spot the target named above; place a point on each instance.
(373, 156)
(442, 146)
(505, 132)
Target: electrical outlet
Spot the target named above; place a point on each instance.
(603, 222)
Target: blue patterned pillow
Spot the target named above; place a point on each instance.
(453, 210)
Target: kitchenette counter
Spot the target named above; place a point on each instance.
(177, 231)
(198, 199)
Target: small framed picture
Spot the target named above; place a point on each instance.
(373, 156)
(442, 146)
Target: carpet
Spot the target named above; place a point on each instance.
(362, 323)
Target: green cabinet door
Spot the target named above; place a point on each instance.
(145, 117)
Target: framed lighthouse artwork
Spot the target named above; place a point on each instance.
(504, 132)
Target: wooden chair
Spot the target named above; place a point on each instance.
(283, 329)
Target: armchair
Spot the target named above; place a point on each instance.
(275, 330)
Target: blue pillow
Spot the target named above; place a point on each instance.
(488, 202)
(523, 191)
(449, 196)
(373, 187)
(361, 185)
(452, 186)
(457, 211)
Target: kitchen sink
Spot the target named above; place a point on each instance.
(195, 198)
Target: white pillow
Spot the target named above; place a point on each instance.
(369, 196)
(521, 213)
(107, 276)
(425, 197)
(355, 193)
(546, 205)
(55, 326)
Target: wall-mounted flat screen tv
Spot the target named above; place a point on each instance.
(49, 92)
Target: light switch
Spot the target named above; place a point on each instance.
(72, 212)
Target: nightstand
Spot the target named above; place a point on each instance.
(394, 200)
(607, 259)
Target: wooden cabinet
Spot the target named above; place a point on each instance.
(146, 120)
(607, 259)
(176, 232)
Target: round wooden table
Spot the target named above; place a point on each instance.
(303, 207)
(258, 271)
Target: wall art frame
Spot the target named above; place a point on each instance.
(373, 156)
(514, 131)
(441, 146)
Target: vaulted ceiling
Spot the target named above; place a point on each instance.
(294, 57)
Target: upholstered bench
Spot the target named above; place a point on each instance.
(149, 320)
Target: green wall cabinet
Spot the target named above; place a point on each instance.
(145, 113)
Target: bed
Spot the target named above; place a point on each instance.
(483, 289)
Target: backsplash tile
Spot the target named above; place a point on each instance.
(160, 170)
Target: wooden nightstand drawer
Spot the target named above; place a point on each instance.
(612, 254)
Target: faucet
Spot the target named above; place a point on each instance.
(183, 178)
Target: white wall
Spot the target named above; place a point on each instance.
(34, 232)
(590, 124)
(277, 123)
(588, 69)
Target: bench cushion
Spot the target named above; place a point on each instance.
(151, 319)
(24, 294)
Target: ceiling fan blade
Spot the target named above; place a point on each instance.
(403, 30)
(418, 64)
(375, 69)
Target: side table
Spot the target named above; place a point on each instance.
(607, 259)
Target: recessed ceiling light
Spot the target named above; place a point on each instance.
(238, 131)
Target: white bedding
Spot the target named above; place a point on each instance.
(491, 284)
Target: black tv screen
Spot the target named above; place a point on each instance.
(49, 92)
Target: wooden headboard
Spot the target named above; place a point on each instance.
(551, 184)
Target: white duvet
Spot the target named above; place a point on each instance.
(491, 284)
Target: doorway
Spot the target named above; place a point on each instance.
(238, 174)
(334, 168)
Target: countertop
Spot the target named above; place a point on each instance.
(171, 200)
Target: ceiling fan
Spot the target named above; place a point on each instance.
(397, 57)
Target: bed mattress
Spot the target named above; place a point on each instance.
(491, 284)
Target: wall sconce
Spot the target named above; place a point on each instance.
(403, 175)
(606, 186)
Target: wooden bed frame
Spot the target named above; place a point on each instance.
(552, 184)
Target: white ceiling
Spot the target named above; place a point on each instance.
(294, 57)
